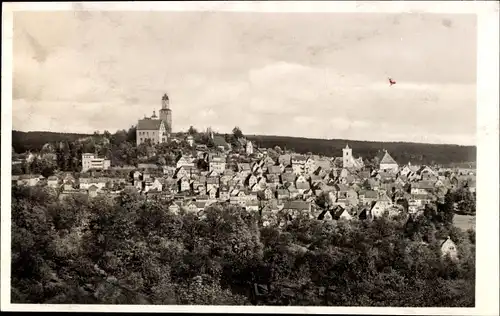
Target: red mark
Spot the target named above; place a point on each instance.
(391, 82)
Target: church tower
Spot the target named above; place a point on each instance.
(347, 157)
(166, 113)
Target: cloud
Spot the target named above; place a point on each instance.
(268, 74)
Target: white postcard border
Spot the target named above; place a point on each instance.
(487, 271)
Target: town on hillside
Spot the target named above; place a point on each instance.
(195, 170)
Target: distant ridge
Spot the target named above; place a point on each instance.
(402, 152)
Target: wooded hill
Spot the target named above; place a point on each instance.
(402, 152)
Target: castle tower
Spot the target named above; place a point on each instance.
(347, 157)
(166, 113)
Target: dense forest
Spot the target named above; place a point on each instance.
(417, 153)
(134, 250)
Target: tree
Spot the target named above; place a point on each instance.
(132, 135)
(192, 131)
(465, 200)
(119, 137)
(17, 169)
(237, 133)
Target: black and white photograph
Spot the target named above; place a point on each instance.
(249, 158)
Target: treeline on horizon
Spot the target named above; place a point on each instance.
(402, 152)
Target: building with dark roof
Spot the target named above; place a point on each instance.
(156, 129)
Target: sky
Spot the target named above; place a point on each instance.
(315, 75)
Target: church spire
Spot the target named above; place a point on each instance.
(165, 102)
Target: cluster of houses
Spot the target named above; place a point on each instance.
(290, 184)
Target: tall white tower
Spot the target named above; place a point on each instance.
(166, 112)
(347, 157)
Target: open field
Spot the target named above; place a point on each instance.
(464, 221)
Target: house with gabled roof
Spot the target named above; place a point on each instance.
(268, 194)
(300, 206)
(422, 187)
(384, 176)
(387, 163)
(224, 193)
(367, 196)
(406, 170)
(181, 172)
(68, 177)
(285, 159)
(256, 188)
(382, 204)
(302, 186)
(418, 201)
(252, 205)
(315, 179)
(69, 185)
(288, 178)
(213, 174)
(282, 194)
(154, 185)
(92, 191)
(244, 167)
(400, 181)
(175, 207)
(288, 169)
(191, 207)
(294, 192)
(268, 162)
(310, 165)
(218, 164)
(250, 180)
(448, 248)
(340, 213)
(427, 173)
(252, 196)
(53, 182)
(276, 170)
(212, 182)
(273, 178)
(184, 184)
(213, 193)
(324, 163)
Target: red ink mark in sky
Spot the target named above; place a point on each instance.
(391, 82)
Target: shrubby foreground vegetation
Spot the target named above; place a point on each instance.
(135, 251)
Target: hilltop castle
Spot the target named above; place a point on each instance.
(157, 130)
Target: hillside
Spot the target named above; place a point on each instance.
(402, 152)
(34, 141)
